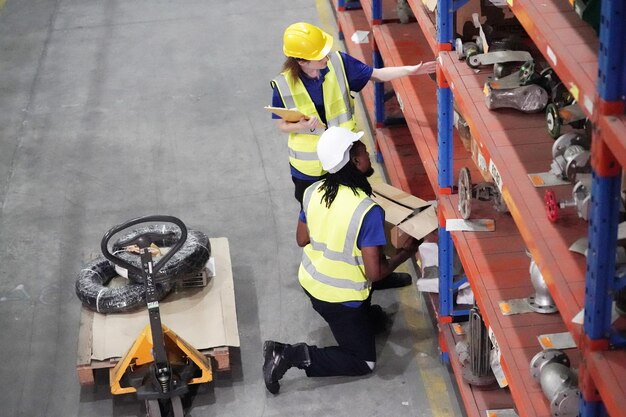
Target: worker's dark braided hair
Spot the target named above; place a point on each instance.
(349, 176)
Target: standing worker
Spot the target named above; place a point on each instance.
(319, 83)
(342, 232)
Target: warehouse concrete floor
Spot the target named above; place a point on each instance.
(110, 110)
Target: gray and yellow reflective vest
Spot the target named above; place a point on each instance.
(338, 104)
(332, 268)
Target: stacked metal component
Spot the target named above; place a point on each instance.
(477, 371)
(559, 383)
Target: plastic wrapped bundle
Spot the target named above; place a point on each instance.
(190, 259)
(93, 290)
(527, 98)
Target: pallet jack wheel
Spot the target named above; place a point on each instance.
(553, 121)
(165, 408)
(552, 207)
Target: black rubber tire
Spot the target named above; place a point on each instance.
(92, 290)
(191, 257)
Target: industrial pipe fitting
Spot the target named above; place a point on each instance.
(570, 153)
(559, 383)
(541, 302)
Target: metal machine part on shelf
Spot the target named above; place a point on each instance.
(560, 96)
(581, 199)
(484, 191)
(497, 57)
(559, 383)
(478, 371)
(557, 116)
(541, 302)
(466, 49)
(523, 76)
(527, 98)
(571, 156)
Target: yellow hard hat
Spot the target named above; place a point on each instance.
(305, 41)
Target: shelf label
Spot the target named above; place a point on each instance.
(557, 341)
(551, 55)
(495, 174)
(505, 412)
(588, 104)
(400, 102)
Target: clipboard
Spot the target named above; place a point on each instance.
(290, 115)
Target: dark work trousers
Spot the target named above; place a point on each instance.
(301, 185)
(356, 344)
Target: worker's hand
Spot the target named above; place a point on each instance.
(424, 68)
(310, 124)
(411, 245)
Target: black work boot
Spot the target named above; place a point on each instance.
(393, 280)
(278, 357)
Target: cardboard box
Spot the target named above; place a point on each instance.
(406, 214)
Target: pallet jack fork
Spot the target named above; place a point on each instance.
(159, 366)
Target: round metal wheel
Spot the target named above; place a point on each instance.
(465, 193)
(472, 60)
(553, 121)
(552, 206)
(458, 48)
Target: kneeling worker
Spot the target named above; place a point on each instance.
(342, 231)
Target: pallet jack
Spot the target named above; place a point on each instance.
(159, 366)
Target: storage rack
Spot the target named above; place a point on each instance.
(509, 146)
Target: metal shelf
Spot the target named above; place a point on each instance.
(568, 43)
(508, 146)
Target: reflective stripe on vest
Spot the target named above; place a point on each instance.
(332, 267)
(338, 105)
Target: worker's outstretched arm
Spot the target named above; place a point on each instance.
(391, 73)
(377, 266)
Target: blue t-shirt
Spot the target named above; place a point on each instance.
(358, 75)
(372, 233)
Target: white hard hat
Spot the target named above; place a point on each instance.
(333, 148)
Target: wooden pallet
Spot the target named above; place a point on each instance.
(204, 304)
(86, 366)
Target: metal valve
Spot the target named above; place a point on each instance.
(571, 156)
(485, 191)
(559, 383)
(581, 199)
(541, 301)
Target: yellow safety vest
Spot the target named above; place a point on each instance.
(332, 268)
(339, 106)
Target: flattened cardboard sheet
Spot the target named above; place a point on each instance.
(204, 317)
(409, 213)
